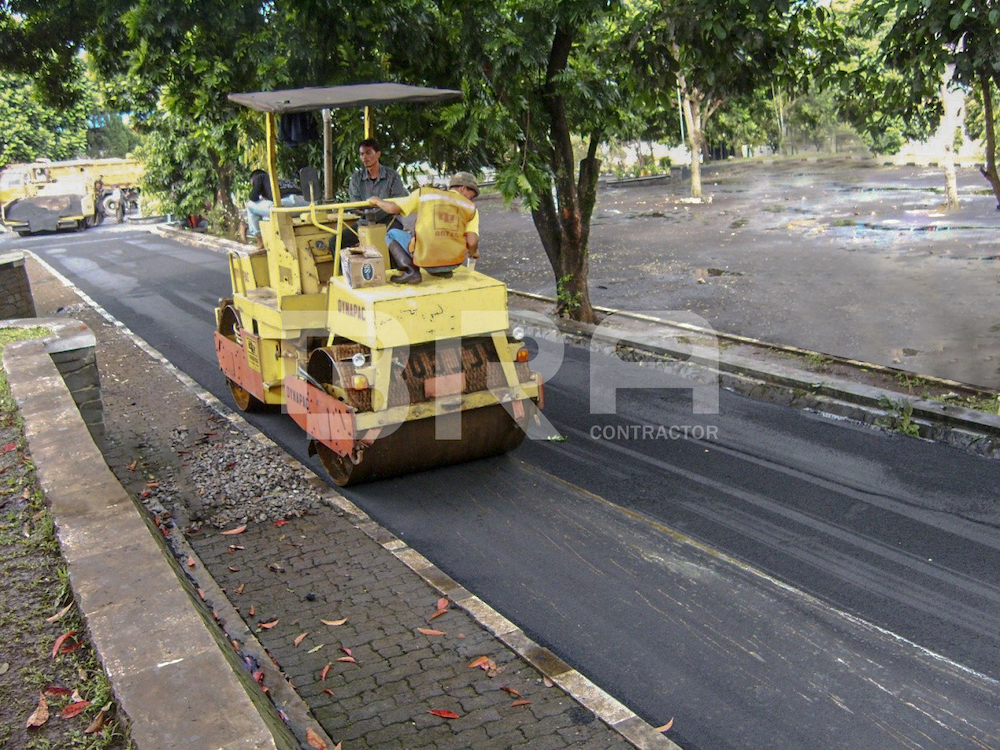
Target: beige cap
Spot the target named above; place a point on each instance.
(464, 179)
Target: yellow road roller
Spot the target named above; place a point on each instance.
(386, 379)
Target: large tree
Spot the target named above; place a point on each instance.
(919, 39)
(536, 73)
(715, 50)
(547, 77)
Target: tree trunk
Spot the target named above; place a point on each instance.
(948, 157)
(950, 181)
(692, 112)
(224, 189)
(563, 220)
(989, 170)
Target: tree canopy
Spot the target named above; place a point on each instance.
(31, 128)
(918, 41)
(538, 75)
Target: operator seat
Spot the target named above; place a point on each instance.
(309, 182)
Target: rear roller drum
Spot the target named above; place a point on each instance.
(488, 431)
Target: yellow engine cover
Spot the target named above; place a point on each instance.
(393, 315)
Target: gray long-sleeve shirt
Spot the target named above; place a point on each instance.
(388, 184)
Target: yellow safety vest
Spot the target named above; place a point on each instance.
(443, 218)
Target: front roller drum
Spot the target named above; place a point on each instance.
(487, 431)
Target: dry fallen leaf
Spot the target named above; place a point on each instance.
(237, 530)
(191, 562)
(327, 690)
(666, 726)
(233, 569)
(239, 589)
(428, 631)
(334, 622)
(479, 662)
(346, 651)
(314, 649)
(442, 603)
(73, 709)
(443, 713)
(547, 682)
(314, 740)
(96, 725)
(520, 703)
(131, 466)
(325, 672)
(267, 625)
(60, 641)
(299, 638)
(251, 610)
(40, 715)
(350, 659)
(280, 522)
(437, 614)
(58, 615)
(512, 691)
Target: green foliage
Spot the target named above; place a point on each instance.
(178, 174)
(567, 301)
(748, 119)
(975, 124)
(31, 129)
(900, 81)
(898, 416)
(109, 136)
(40, 38)
(884, 140)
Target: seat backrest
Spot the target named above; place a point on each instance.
(309, 182)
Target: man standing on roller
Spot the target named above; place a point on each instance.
(447, 229)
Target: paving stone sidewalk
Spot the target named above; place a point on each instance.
(375, 680)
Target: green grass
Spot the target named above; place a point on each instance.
(898, 416)
(815, 359)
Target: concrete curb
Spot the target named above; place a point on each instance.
(166, 668)
(968, 429)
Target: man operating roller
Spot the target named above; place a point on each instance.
(446, 231)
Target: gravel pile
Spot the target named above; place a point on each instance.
(238, 479)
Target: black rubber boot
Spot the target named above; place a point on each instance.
(411, 274)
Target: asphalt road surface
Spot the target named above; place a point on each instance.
(787, 581)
